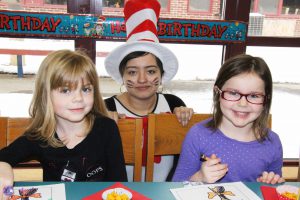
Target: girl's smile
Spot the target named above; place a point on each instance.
(240, 114)
(77, 110)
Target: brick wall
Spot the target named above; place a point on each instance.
(176, 9)
(34, 8)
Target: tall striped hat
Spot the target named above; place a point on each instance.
(141, 18)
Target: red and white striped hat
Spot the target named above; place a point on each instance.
(141, 18)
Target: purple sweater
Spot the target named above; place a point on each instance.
(246, 160)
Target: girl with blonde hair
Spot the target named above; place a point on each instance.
(70, 133)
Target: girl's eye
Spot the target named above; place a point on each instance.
(131, 73)
(233, 93)
(87, 89)
(64, 90)
(255, 96)
(152, 71)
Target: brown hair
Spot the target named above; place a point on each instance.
(58, 69)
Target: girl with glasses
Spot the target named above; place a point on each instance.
(236, 141)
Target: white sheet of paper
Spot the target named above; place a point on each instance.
(232, 191)
(46, 192)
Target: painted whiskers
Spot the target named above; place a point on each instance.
(131, 84)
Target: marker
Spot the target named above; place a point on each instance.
(203, 158)
(8, 191)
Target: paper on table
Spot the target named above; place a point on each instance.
(232, 191)
(41, 192)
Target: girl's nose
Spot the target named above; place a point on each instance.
(77, 95)
(243, 101)
(142, 77)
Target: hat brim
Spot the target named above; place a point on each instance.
(167, 57)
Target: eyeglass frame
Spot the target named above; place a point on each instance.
(221, 92)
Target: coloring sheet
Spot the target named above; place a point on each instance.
(40, 192)
(221, 191)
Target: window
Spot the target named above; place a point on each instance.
(164, 4)
(291, 7)
(266, 18)
(277, 7)
(113, 3)
(196, 5)
(56, 2)
(286, 96)
(268, 6)
(14, 5)
(120, 3)
(37, 49)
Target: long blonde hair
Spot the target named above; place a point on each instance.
(57, 69)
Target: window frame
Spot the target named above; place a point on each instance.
(240, 13)
(167, 9)
(209, 11)
(278, 12)
(105, 7)
(30, 3)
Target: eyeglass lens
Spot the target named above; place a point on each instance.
(236, 96)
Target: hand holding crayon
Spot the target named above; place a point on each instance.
(211, 169)
(203, 157)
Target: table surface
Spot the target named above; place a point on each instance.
(153, 190)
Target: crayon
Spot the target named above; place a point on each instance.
(203, 158)
(8, 191)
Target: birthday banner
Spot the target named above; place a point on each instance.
(68, 26)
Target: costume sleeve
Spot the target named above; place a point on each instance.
(110, 104)
(20, 150)
(189, 160)
(174, 101)
(116, 170)
(277, 163)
